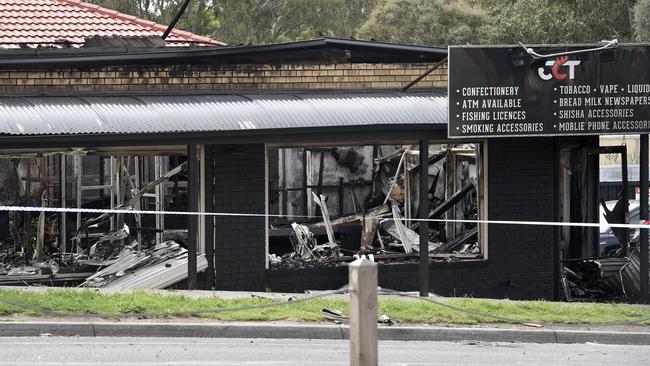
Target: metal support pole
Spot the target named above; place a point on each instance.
(27, 246)
(193, 206)
(160, 198)
(111, 171)
(407, 191)
(79, 165)
(121, 189)
(363, 312)
(643, 216)
(137, 184)
(305, 196)
(423, 209)
(64, 196)
(624, 178)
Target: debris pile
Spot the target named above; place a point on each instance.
(104, 250)
(610, 278)
(340, 318)
(384, 222)
(158, 267)
(306, 250)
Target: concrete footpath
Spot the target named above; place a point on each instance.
(315, 331)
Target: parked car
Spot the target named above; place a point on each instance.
(608, 242)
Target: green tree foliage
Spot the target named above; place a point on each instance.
(138, 8)
(267, 21)
(642, 21)
(254, 21)
(443, 22)
(431, 22)
(199, 17)
(555, 21)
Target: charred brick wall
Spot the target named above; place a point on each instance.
(520, 258)
(468, 278)
(120, 79)
(521, 176)
(236, 243)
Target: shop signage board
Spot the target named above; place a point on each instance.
(503, 91)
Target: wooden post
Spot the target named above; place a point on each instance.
(363, 312)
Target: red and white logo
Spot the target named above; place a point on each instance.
(557, 67)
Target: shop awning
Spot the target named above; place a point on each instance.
(160, 114)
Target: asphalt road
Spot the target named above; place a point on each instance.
(201, 351)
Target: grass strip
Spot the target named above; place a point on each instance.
(401, 311)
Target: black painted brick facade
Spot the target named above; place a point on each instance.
(239, 244)
(520, 187)
(519, 264)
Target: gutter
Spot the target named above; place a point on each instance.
(49, 58)
(393, 133)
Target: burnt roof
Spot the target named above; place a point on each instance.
(321, 50)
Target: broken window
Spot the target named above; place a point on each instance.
(330, 203)
(121, 247)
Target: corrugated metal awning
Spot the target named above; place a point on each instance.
(76, 115)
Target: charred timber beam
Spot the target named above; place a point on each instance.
(319, 189)
(431, 160)
(452, 244)
(98, 220)
(446, 205)
(372, 213)
(443, 207)
(315, 186)
(368, 231)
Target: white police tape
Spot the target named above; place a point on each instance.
(234, 214)
(128, 211)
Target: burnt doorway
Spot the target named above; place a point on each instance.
(579, 199)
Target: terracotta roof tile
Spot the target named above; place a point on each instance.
(48, 22)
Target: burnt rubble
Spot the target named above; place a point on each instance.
(615, 277)
(116, 250)
(603, 279)
(384, 222)
(157, 267)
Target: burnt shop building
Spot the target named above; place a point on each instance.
(562, 99)
(301, 155)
